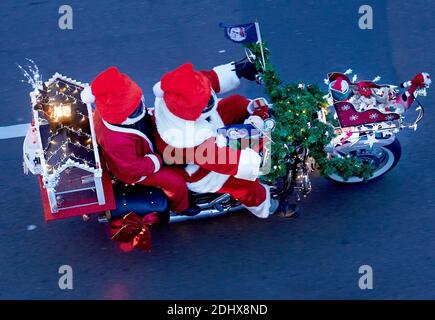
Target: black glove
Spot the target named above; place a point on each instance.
(246, 69)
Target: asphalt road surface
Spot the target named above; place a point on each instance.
(388, 224)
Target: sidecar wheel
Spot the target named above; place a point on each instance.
(384, 158)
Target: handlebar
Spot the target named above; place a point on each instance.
(420, 116)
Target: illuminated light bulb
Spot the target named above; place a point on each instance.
(62, 111)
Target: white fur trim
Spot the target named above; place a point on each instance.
(221, 141)
(216, 119)
(212, 182)
(128, 130)
(228, 79)
(157, 89)
(141, 179)
(249, 165)
(180, 133)
(155, 160)
(191, 169)
(134, 120)
(262, 211)
(86, 95)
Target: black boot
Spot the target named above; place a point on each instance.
(246, 69)
(287, 210)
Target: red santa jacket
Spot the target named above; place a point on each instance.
(128, 152)
(210, 161)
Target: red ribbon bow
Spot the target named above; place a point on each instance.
(134, 229)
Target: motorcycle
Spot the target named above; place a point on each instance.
(61, 148)
(365, 131)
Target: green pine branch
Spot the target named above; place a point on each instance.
(294, 109)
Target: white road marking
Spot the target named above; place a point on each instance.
(15, 131)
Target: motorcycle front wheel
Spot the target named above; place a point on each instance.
(382, 158)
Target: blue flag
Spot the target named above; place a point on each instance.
(241, 33)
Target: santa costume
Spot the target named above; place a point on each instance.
(188, 115)
(123, 134)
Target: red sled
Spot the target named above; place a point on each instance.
(348, 116)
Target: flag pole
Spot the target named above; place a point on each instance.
(257, 29)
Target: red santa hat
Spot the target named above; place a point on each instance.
(116, 96)
(185, 91)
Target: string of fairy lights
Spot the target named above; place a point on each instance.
(64, 146)
(60, 118)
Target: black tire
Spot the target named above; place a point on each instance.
(393, 152)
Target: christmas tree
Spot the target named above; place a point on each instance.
(295, 107)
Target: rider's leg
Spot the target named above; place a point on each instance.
(171, 181)
(252, 194)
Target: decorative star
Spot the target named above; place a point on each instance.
(371, 140)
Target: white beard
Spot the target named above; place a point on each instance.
(180, 133)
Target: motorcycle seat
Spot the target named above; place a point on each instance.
(139, 199)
